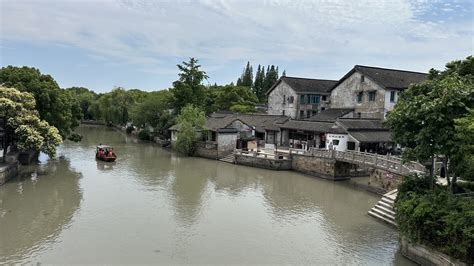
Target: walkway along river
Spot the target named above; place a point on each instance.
(153, 205)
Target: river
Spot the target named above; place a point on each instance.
(154, 206)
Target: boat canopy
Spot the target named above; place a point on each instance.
(104, 147)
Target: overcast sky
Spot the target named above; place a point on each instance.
(137, 44)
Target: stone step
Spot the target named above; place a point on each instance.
(382, 218)
(228, 159)
(383, 213)
(388, 200)
(386, 205)
(384, 209)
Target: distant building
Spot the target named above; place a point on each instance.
(299, 98)
(372, 91)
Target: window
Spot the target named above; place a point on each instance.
(302, 99)
(324, 97)
(351, 145)
(314, 99)
(371, 96)
(291, 99)
(392, 96)
(301, 114)
(362, 78)
(314, 112)
(283, 112)
(308, 114)
(335, 142)
(360, 97)
(359, 115)
(323, 108)
(284, 99)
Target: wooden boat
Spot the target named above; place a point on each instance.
(105, 153)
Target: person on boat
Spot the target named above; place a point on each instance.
(111, 153)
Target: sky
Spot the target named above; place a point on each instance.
(137, 44)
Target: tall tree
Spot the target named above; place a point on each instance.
(189, 88)
(31, 132)
(258, 84)
(424, 118)
(55, 105)
(270, 78)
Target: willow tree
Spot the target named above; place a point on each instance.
(191, 122)
(32, 133)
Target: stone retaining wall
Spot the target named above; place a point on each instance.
(260, 162)
(426, 256)
(321, 167)
(8, 171)
(383, 180)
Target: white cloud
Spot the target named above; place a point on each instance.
(146, 33)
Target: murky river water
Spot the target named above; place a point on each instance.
(153, 206)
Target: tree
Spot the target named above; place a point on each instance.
(55, 105)
(189, 89)
(463, 159)
(31, 133)
(259, 84)
(86, 99)
(190, 123)
(423, 120)
(153, 111)
(226, 97)
(246, 79)
(114, 106)
(270, 78)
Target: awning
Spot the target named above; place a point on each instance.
(372, 136)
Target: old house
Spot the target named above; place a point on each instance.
(299, 98)
(372, 91)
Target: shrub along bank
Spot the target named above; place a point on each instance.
(436, 218)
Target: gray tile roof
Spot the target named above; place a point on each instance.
(360, 124)
(387, 78)
(372, 136)
(306, 84)
(315, 126)
(330, 115)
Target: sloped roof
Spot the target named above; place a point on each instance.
(330, 115)
(306, 125)
(361, 124)
(306, 84)
(372, 136)
(387, 78)
(261, 122)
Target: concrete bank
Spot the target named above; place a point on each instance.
(426, 256)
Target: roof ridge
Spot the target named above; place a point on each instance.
(393, 69)
(308, 78)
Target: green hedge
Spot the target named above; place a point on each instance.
(436, 218)
(144, 134)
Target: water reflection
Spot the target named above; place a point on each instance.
(105, 166)
(36, 207)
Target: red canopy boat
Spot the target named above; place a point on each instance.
(105, 153)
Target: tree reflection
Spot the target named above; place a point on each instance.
(36, 207)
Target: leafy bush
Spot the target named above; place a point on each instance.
(436, 218)
(144, 134)
(129, 129)
(76, 137)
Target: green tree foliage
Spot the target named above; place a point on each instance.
(190, 123)
(55, 105)
(154, 111)
(114, 106)
(423, 120)
(246, 79)
(87, 101)
(258, 86)
(436, 218)
(270, 78)
(32, 133)
(233, 97)
(463, 159)
(189, 88)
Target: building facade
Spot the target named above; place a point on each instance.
(299, 98)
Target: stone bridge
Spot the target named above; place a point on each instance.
(387, 163)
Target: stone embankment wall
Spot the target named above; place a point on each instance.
(383, 180)
(426, 256)
(266, 163)
(321, 167)
(206, 150)
(8, 171)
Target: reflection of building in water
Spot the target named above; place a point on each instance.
(36, 207)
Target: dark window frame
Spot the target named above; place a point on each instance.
(392, 96)
(371, 95)
(360, 97)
